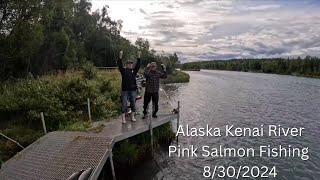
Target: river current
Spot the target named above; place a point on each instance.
(220, 98)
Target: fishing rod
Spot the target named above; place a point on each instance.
(167, 97)
(175, 110)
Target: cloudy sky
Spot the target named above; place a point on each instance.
(221, 29)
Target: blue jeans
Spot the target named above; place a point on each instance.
(124, 99)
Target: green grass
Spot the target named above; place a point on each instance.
(76, 126)
(132, 151)
(62, 98)
(19, 133)
(177, 77)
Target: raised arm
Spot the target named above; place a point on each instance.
(147, 71)
(137, 67)
(163, 74)
(119, 62)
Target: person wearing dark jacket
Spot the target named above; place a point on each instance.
(128, 86)
(153, 77)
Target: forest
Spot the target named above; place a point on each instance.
(308, 66)
(40, 37)
(49, 51)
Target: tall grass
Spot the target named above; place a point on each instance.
(134, 150)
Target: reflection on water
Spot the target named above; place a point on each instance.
(243, 99)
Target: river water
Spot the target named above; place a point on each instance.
(220, 98)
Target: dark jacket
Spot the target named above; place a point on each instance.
(129, 82)
(153, 79)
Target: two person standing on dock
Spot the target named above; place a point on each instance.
(128, 86)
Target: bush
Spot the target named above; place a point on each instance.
(127, 153)
(132, 151)
(164, 134)
(63, 99)
(28, 97)
(177, 77)
(21, 134)
(89, 71)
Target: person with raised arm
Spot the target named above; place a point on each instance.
(153, 77)
(128, 85)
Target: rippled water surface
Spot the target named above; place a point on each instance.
(243, 99)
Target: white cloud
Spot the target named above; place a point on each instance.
(264, 7)
(212, 29)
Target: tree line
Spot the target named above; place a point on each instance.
(309, 66)
(43, 36)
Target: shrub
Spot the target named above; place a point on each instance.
(177, 77)
(127, 153)
(19, 133)
(132, 151)
(62, 98)
(28, 97)
(89, 71)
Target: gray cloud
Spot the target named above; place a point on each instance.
(263, 7)
(270, 51)
(189, 2)
(142, 11)
(130, 33)
(162, 12)
(207, 29)
(162, 23)
(170, 6)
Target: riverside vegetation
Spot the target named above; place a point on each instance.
(176, 77)
(131, 152)
(309, 66)
(63, 99)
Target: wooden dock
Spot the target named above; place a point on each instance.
(59, 154)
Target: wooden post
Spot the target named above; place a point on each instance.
(111, 164)
(178, 119)
(43, 123)
(89, 109)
